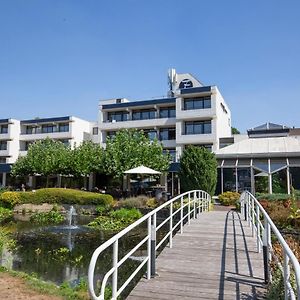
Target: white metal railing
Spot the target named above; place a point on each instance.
(263, 226)
(190, 204)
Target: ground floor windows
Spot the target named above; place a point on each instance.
(261, 175)
(2, 160)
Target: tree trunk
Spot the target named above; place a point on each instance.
(47, 182)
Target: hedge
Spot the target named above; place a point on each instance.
(277, 197)
(54, 195)
(229, 198)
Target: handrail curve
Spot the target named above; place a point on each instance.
(197, 201)
(253, 211)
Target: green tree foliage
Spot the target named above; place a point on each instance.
(130, 149)
(46, 157)
(198, 170)
(87, 158)
(234, 130)
(50, 157)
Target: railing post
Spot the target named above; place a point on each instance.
(115, 273)
(153, 245)
(286, 276)
(171, 226)
(189, 210)
(252, 217)
(194, 205)
(266, 250)
(181, 215)
(199, 203)
(149, 249)
(245, 207)
(258, 228)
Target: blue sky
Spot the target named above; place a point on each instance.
(59, 57)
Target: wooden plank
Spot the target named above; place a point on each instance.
(215, 258)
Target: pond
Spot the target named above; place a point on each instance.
(62, 253)
(59, 253)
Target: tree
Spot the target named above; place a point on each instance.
(234, 130)
(198, 170)
(130, 148)
(86, 158)
(46, 157)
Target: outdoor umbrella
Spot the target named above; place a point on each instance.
(141, 170)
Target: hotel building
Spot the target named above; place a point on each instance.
(192, 114)
(16, 136)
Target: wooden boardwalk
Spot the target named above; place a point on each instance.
(215, 258)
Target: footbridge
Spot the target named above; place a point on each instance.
(191, 251)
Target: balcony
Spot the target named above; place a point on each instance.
(139, 124)
(42, 136)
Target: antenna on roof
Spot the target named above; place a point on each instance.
(171, 81)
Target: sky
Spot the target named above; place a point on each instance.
(60, 57)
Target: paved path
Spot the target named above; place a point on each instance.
(215, 258)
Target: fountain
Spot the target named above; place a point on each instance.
(70, 217)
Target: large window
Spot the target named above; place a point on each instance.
(30, 129)
(151, 134)
(167, 134)
(3, 129)
(63, 127)
(197, 127)
(143, 114)
(48, 128)
(118, 116)
(167, 112)
(3, 145)
(197, 103)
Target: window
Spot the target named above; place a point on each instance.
(29, 129)
(167, 134)
(3, 129)
(3, 145)
(95, 130)
(117, 116)
(151, 134)
(26, 145)
(2, 160)
(63, 127)
(143, 114)
(197, 103)
(65, 142)
(110, 134)
(167, 112)
(48, 128)
(198, 127)
(206, 146)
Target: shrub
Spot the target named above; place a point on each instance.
(116, 220)
(229, 198)
(273, 197)
(51, 217)
(55, 195)
(6, 240)
(134, 202)
(126, 215)
(5, 214)
(10, 199)
(152, 203)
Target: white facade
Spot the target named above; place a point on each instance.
(193, 114)
(16, 136)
